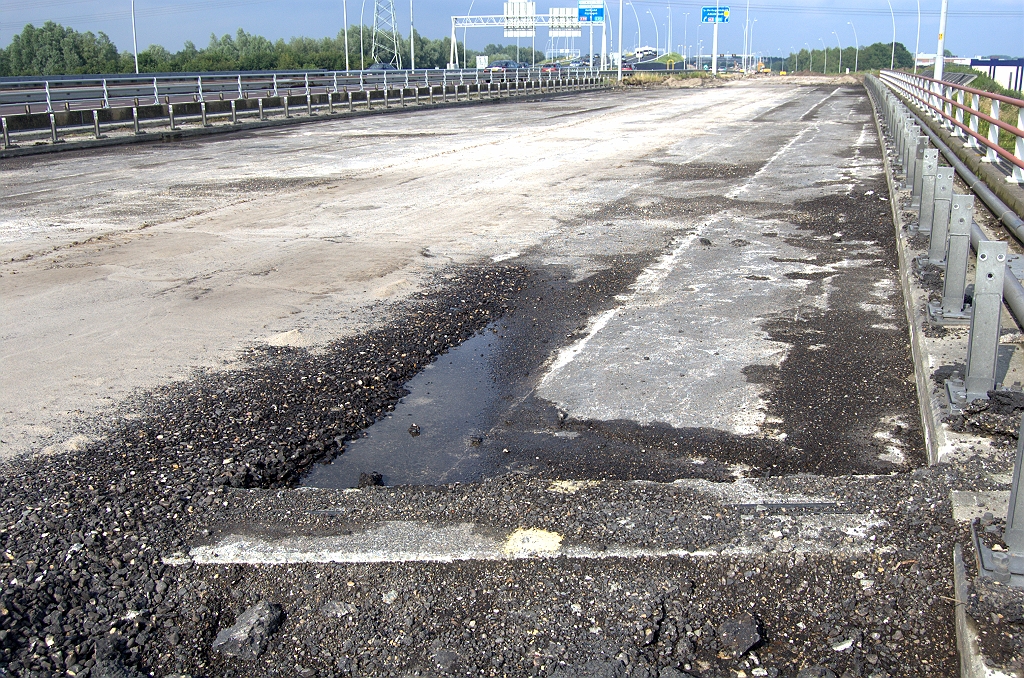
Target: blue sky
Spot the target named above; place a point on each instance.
(975, 28)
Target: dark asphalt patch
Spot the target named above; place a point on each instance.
(698, 171)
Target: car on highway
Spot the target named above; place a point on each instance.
(550, 68)
(627, 68)
(503, 65)
(382, 67)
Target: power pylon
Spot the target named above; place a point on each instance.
(384, 48)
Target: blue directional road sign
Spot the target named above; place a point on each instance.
(714, 15)
(591, 11)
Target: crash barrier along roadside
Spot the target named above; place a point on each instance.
(53, 105)
(946, 218)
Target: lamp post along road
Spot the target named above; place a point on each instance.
(825, 50)
(135, 42)
(917, 47)
(856, 57)
(840, 71)
(892, 59)
(940, 51)
(412, 41)
(714, 43)
(620, 41)
(344, 18)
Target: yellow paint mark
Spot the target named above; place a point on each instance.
(571, 486)
(524, 542)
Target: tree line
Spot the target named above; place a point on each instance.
(870, 58)
(53, 49)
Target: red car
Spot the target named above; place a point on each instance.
(627, 67)
(550, 68)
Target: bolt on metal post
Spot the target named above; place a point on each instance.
(940, 216)
(957, 255)
(986, 320)
(928, 169)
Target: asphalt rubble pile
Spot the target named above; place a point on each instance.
(83, 534)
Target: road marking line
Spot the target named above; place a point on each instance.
(410, 541)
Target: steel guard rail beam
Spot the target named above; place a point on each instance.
(25, 97)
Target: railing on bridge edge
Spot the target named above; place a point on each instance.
(99, 92)
(947, 103)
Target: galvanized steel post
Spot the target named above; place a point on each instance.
(986, 320)
(958, 253)
(96, 124)
(940, 217)
(928, 170)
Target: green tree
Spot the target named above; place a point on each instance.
(55, 50)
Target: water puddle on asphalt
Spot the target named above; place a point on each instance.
(436, 432)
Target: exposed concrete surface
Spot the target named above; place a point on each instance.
(123, 269)
(849, 573)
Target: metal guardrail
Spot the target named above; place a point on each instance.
(947, 103)
(87, 93)
(28, 106)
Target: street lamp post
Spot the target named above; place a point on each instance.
(810, 58)
(657, 37)
(940, 51)
(825, 50)
(412, 41)
(917, 47)
(344, 17)
(750, 41)
(686, 47)
(840, 71)
(620, 41)
(639, 31)
(892, 59)
(135, 43)
(856, 56)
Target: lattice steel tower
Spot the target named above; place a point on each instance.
(384, 48)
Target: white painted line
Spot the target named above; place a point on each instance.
(408, 541)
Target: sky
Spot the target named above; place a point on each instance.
(976, 28)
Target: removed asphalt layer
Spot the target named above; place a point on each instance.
(129, 548)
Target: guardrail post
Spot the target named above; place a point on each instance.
(986, 315)
(309, 105)
(927, 209)
(993, 134)
(135, 120)
(975, 104)
(284, 102)
(401, 96)
(387, 103)
(957, 254)
(234, 113)
(96, 124)
(202, 112)
(170, 114)
(369, 105)
(940, 217)
(259, 103)
(915, 178)
(1018, 176)
(330, 103)
(417, 89)
(431, 88)
(351, 106)
(7, 136)
(1014, 533)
